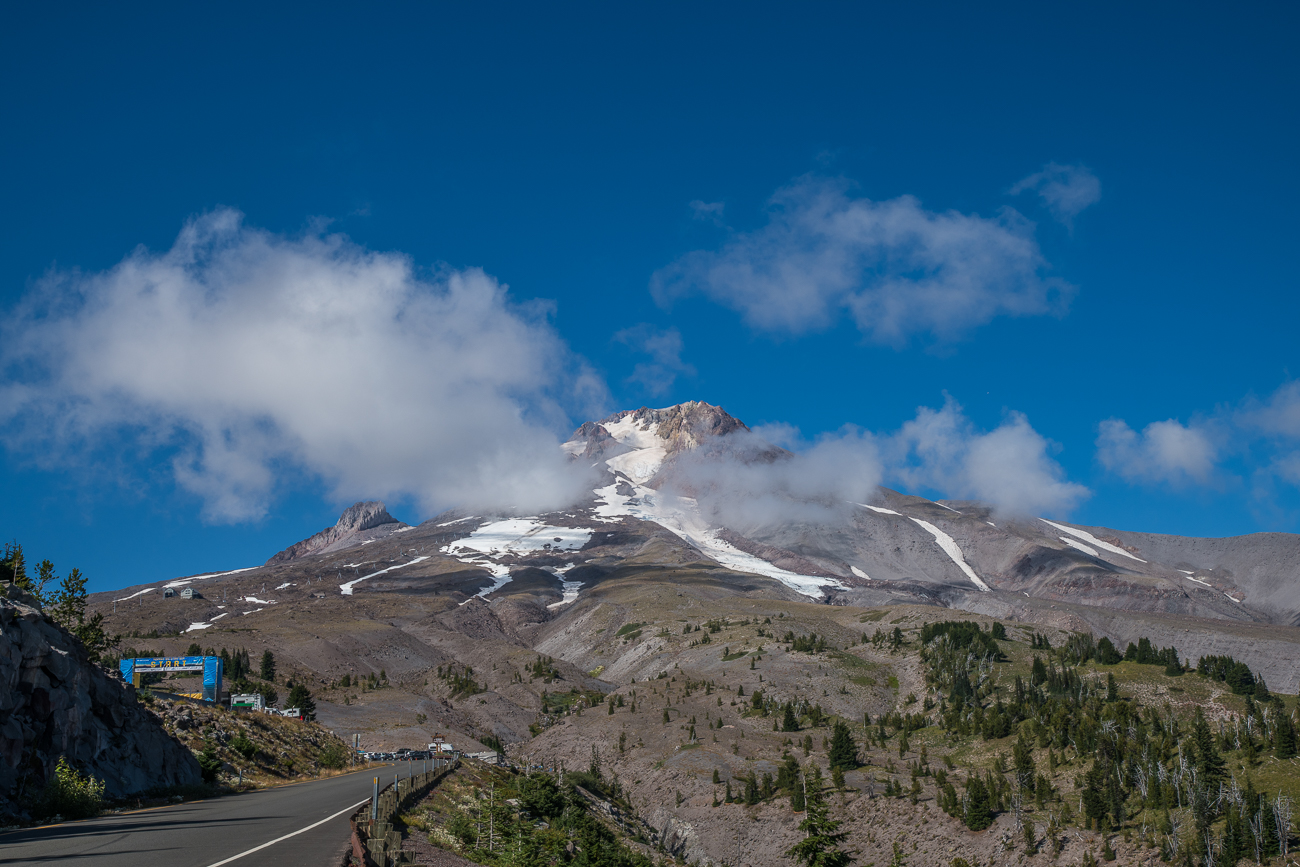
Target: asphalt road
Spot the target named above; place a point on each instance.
(232, 830)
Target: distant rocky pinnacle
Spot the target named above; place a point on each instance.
(352, 526)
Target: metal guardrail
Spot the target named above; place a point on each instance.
(375, 842)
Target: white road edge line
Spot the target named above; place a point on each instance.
(287, 836)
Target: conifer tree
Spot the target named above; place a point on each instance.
(1022, 760)
(268, 666)
(821, 846)
(843, 751)
(789, 723)
(300, 697)
(1209, 764)
(1284, 740)
(979, 806)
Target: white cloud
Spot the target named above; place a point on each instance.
(897, 269)
(1010, 467)
(1279, 416)
(1165, 452)
(746, 482)
(242, 355)
(1065, 190)
(939, 451)
(665, 347)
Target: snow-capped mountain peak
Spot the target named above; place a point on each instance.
(636, 443)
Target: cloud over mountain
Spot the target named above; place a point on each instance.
(897, 269)
(940, 450)
(240, 356)
(1164, 452)
(1009, 467)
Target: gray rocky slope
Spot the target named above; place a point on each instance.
(54, 702)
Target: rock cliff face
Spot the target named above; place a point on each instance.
(361, 522)
(54, 702)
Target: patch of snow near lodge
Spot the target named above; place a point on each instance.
(194, 626)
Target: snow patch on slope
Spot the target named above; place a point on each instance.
(194, 626)
(856, 571)
(1091, 539)
(570, 590)
(513, 536)
(881, 509)
(346, 589)
(519, 536)
(1076, 544)
(648, 449)
(949, 546)
(681, 516)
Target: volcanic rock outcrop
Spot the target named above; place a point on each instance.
(54, 702)
(361, 522)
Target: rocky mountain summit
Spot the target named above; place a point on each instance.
(672, 466)
(54, 702)
(362, 522)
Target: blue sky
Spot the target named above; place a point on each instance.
(1040, 256)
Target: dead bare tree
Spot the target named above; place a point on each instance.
(1282, 818)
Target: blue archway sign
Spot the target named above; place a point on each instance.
(211, 666)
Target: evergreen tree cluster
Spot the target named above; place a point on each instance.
(1237, 675)
(462, 682)
(965, 635)
(1136, 759)
(66, 604)
(810, 643)
(544, 667)
(1144, 653)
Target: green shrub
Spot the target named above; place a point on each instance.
(334, 757)
(242, 745)
(209, 764)
(462, 828)
(70, 795)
